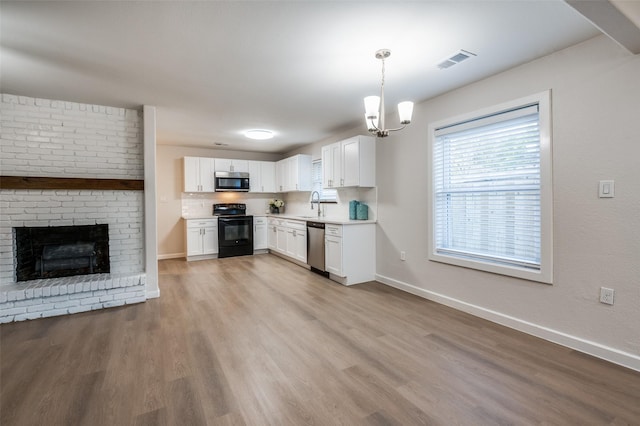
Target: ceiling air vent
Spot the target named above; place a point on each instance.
(456, 58)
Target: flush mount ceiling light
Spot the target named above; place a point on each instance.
(259, 134)
(374, 106)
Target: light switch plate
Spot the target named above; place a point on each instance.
(606, 189)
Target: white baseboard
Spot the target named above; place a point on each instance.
(170, 256)
(598, 350)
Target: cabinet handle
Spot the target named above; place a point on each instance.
(294, 233)
(341, 182)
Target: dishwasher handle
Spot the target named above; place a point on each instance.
(318, 225)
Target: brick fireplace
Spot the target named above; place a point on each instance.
(56, 139)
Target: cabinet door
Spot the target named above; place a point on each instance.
(194, 241)
(210, 240)
(336, 166)
(268, 169)
(282, 174)
(301, 246)
(292, 173)
(281, 239)
(206, 175)
(260, 233)
(223, 165)
(191, 174)
(291, 243)
(351, 162)
(333, 255)
(327, 166)
(255, 176)
(272, 238)
(240, 166)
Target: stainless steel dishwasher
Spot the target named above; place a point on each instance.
(315, 247)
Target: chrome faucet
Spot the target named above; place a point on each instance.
(317, 202)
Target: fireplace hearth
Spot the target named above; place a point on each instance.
(60, 251)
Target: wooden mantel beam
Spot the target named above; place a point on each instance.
(29, 182)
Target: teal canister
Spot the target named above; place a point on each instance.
(353, 209)
(362, 211)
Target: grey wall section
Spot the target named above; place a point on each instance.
(595, 109)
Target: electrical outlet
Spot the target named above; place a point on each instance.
(606, 295)
(403, 255)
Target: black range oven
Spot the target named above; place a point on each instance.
(235, 230)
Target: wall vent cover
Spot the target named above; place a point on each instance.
(456, 58)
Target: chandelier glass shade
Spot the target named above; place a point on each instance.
(374, 107)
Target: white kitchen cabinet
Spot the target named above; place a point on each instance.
(349, 163)
(288, 238)
(296, 240)
(228, 165)
(350, 252)
(281, 239)
(333, 249)
(202, 238)
(272, 237)
(294, 174)
(262, 176)
(260, 232)
(331, 166)
(198, 174)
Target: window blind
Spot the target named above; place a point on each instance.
(486, 177)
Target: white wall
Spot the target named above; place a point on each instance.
(596, 106)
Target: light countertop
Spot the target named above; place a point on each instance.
(336, 221)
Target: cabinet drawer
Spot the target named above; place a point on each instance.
(294, 224)
(193, 223)
(260, 220)
(335, 230)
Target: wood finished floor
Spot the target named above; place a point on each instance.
(259, 341)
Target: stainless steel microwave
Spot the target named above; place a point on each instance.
(231, 181)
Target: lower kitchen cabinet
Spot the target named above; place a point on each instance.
(202, 238)
(260, 233)
(350, 252)
(288, 238)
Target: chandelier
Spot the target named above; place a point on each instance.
(374, 106)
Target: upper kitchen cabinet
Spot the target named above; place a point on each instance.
(332, 166)
(351, 162)
(294, 174)
(198, 174)
(226, 165)
(262, 176)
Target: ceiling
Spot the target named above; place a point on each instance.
(301, 68)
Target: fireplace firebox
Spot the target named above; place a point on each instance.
(60, 251)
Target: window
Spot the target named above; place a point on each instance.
(326, 195)
(491, 190)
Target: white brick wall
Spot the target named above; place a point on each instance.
(69, 295)
(41, 137)
(123, 211)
